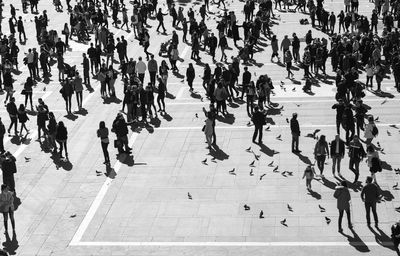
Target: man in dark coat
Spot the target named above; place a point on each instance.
(295, 129)
(120, 128)
(258, 121)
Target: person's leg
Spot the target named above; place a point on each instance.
(349, 219)
(60, 144)
(255, 133)
(5, 221)
(340, 220)
(260, 137)
(11, 213)
(367, 212)
(66, 149)
(373, 207)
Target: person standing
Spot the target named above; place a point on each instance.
(7, 207)
(102, 133)
(8, 168)
(42, 117)
(152, 68)
(371, 131)
(52, 131)
(13, 113)
(296, 48)
(295, 129)
(28, 91)
(190, 75)
(61, 138)
(370, 195)
(8, 85)
(373, 161)
(259, 121)
(337, 154)
(321, 150)
(120, 128)
(21, 29)
(161, 89)
(342, 194)
(141, 69)
(356, 154)
(339, 106)
(2, 132)
(66, 91)
(22, 118)
(86, 68)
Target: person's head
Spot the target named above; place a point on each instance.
(368, 180)
(20, 18)
(40, 100)
(61, 124)
(21, 107)
(12, 99)
(4, 187)
(256, 109)
(355, 138)
(343, 183)
(51, 115)
(322, 138)
(370, 149)
(337, 137)
(370, 119)
(294, 115)
(102, 125)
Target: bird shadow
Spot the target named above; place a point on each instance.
(11, 244)
(61, 162)
(356, 241)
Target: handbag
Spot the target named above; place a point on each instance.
(117, 143)
(23, 92)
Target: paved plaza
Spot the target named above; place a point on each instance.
(142, 205)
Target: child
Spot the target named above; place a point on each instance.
(309, 175)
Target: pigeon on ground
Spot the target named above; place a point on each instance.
(271, 164)
(284, 174)
(290, 209)
(290, 173)
(383, 102)
(282, 83)
(196, 115)
(251, 172)
(397, 170)
(279, 137)
(213, 160)
(379, 144)
(204, 161)
(249, 123)
(283, 222)
(393, 126)
(73, 216)
(261, 216)
(396, 186)
(27, 159)
(294, 89)
(275, 169)
(257, 157)
(232, 171)
(252, 163)
(315, 132)
(189, 196)
(268, 128)
(98, 171)
(376, 119)
(246, 207)
(287, 120)
(322, 209)
(327, 220)
(297, 105)
(388, 133)
(248, 149)
(262, 176)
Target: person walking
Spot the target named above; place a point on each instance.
(371, 131)
(373, 161)
(8, 168)
(208, 131)
(295, 129)
(28, 91)
(52, 131)
(342, 194)
(370, 195)
(321, 151)
(259, 121)
(356, 154)
(67, 91)
(8, 85)
(78, 88)
(141, 69)
(21, 29)
(61, 138)
(160, 18)
(22, 118)
(287, 57)
(7, 207)
(161, 95)
(86, 70)
(102, 133)
(13, 113)
(42, 117)
(2, 133)
(152, 68)
(337, 153)
(309, 174)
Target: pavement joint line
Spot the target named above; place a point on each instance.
(99, 198)
(232, 244)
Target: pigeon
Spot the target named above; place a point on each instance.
(204, 161)
(246, 207)
(73, 216)
(382, 149)
(393, 126)
(262, 176)
(213, 160)
(275, 169)
(315, 132)
(279, 137)
(268, 128)
(27, 159)
(284, 89)
(252, 163)
(44, 88)
(397, 170)
(327, 220)
(232, 172)
(322, 209)
(249, 123)
(396, 186)
(379, 144)
(388, 133)
(376, 119)
(251, 172)
(290, 173)
(287, 120)
(257, 157)
(261, 216)
(290, 209)
(284, 174)
(297, 105)
(271, 164)
(282, 83)
(97, 171)
(283, 222)
(294, 89)
(383, 102)
(248, 149)
(196, 115)
(189, 196)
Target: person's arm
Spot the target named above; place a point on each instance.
(327, 149)
(363, 194)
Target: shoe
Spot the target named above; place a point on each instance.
(350, 226)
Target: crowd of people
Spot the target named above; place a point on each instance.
(352, 44)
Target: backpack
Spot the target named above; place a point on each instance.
(375, 131)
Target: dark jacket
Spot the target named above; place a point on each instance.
(12, 109)
(258, 118)
(333, 148)
(342, 195)
(120, 127)
(370, 193)
(294, 126)
(62, 133)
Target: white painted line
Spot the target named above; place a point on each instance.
(238, 127)
(182, 55)
(233, 244)
(180, 92)
(97, 201)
